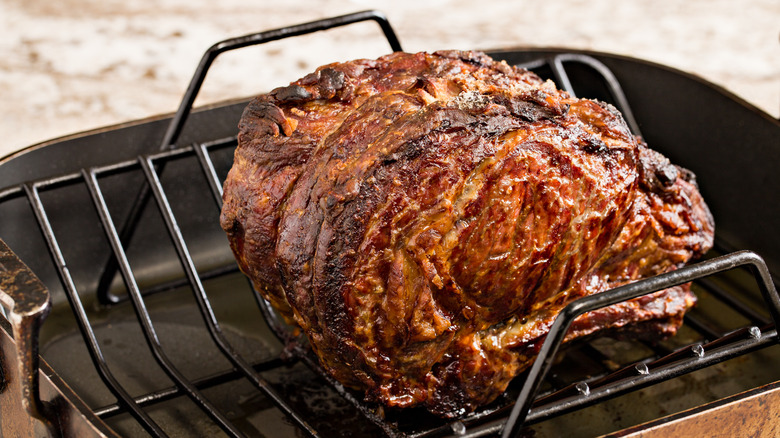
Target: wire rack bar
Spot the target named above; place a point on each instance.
(204, 304)
(142, 313)
(84, 325)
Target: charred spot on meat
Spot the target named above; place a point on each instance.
(424, 217)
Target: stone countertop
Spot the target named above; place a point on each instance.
(75, 65)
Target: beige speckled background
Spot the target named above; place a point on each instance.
(73, 65)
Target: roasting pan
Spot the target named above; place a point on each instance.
(114, 231)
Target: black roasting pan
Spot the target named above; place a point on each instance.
(732, 147)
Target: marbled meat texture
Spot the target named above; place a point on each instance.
(424, 217)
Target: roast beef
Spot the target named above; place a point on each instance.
(424, 217)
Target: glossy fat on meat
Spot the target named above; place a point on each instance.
(423, 218)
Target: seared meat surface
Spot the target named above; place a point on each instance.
(424, 217)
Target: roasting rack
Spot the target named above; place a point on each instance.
(521, 406)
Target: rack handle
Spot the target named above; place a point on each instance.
(560, 326)
(177, 123)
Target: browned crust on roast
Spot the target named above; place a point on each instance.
(423, 218)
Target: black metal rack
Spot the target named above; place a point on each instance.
(505, 417)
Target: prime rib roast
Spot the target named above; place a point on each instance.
(424, 217)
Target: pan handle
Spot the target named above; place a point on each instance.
(27, 303)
